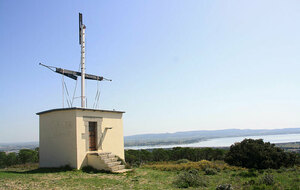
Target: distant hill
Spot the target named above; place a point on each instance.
(15, 147)
(201, 135)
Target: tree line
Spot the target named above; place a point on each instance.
(137, 157)
(22, 157)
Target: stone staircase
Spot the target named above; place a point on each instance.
(105, 161)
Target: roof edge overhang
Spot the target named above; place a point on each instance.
(75, 108)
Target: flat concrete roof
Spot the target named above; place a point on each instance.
(75, 108)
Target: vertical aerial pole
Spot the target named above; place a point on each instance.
(82, 43)
(63, 91)
(74, 74)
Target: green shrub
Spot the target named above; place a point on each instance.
(190, 178)
(269, 171)
(2, 159)
(135, 165)
(261, 171)
(267, 179)
(11, 159)
(182, 161)
(249, 173)
(250, 182)
(160, 155)
(224, 187)
(260, 155)
(28, 156)
(210, 171)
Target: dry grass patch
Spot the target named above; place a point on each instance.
(201, 165)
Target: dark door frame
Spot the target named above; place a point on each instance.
(92, 136)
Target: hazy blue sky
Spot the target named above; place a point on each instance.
(176, 65)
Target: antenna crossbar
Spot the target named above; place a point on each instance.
(74, 74)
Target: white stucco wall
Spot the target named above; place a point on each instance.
(57, 139)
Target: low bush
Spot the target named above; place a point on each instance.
(11, 159)
(2, 159)
(250, 182)
(182, 161)
(224, 187)
(267, 179)
(249, 173)
(210, 171)
(28, 156)
(190, 178)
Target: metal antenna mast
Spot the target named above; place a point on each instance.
(82, 43)
(74, 74)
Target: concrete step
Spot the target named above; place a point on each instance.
(104, 153)
(109, 160)
(111, 156)
(117, 167)
(105, 156)
(121, 167)
(113, 164)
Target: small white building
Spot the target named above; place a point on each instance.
(79, 137)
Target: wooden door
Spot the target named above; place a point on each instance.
(92, 135)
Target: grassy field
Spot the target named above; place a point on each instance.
(147, 177)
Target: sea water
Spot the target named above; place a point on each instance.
(228, 141)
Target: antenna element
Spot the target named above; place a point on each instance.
(80, 23)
